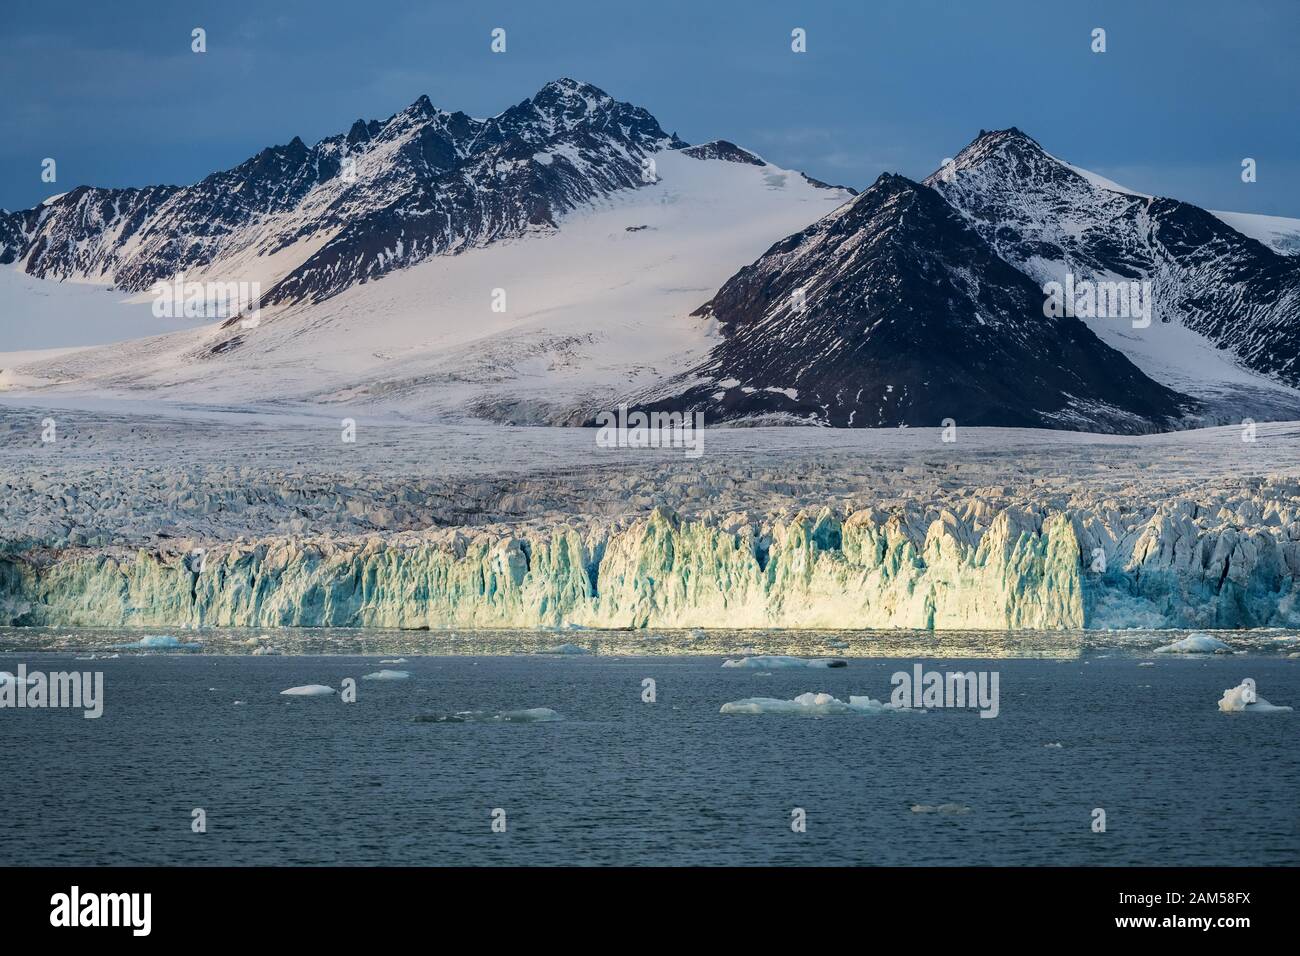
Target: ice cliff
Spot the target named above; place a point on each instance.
(491, 527)
(1013, 569)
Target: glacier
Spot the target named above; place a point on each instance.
(817, 569)
(174, 521)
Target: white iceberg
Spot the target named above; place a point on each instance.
(1196, 644)
(387, 675)
(770, 662)
(159, 642)
(810, 705)
(308, 690)
(531, 715)
(566, 649)
(1243, 699)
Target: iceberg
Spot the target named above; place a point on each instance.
(308, 690)
(812, 705)
(1243, 699)
(1196, 644)
(158, 642)
(532, 715)
(775, 661)
(573, 649)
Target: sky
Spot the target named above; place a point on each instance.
(1183, 93)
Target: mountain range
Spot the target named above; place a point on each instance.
(569, 255)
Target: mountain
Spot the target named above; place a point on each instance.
(601, 233)
(544, 264)
(893, 310)
(308, 222)
(1224, 303)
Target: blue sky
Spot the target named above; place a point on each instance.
(1183, 93)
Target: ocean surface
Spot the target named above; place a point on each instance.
(616, 780)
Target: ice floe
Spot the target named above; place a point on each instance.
(531, 715)
(773, 661)
(1196, 644)
(811, 705)
(1244, 699)
(159, 642)
(566, 649)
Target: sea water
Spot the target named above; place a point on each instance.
(431, 769)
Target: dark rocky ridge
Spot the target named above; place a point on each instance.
(909, 317)
(1045, 218)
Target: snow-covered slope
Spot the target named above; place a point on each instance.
(40, 314)
(1279, 233)
(1227, 307)
(592, 307)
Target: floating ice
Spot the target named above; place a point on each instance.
(308, 690)
(532, 715)
(770, 662)
(1196, 644)
(387, 675)
(159, 642)
(810, 705)
(1243, 699)
(941, 808)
